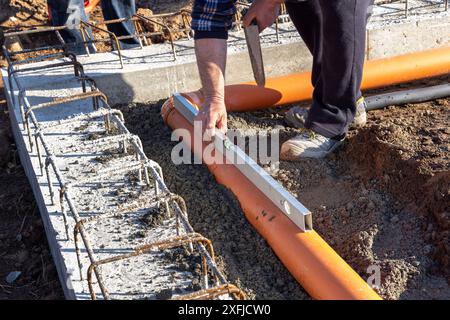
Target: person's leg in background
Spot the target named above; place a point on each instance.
(69, 13)
(117, 9)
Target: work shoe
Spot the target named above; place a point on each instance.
(296, 116)
(308, 145)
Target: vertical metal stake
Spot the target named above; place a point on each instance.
(39, 154)
(50, 187)
(62, 191)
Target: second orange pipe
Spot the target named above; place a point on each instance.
(377, 73)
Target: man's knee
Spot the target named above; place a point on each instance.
(64, 5)
(66, 12)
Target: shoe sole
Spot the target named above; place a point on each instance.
(289, 156)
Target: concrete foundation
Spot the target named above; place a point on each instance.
(127, 205)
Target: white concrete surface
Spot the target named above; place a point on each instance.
(80, 157)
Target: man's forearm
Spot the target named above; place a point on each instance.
(211, 60)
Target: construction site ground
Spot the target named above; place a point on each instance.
(383, 199)
(374, 201)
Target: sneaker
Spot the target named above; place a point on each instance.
(296, 116)
(308, 145)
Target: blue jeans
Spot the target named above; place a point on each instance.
(70, 12)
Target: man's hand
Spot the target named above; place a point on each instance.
(264, 11)
(214, 117)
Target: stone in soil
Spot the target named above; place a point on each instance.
(153, 217)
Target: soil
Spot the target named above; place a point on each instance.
(164, 6)
(23, 243)
(382, 200)
(17, 13)
(410, 159)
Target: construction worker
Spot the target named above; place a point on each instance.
(334, 32)
(70, 12)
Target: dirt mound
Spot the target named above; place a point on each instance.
(173, 23)
(18, 13)
(164, 6)
(376, 200)
(409, 157)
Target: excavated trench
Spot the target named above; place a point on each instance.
(378, 201)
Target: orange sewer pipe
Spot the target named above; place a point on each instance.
(90, 5)
(315, 265)
(377, 73)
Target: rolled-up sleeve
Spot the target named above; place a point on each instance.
(212, 18)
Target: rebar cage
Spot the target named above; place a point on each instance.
(149, 173)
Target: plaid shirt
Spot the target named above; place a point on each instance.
(212, 18)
